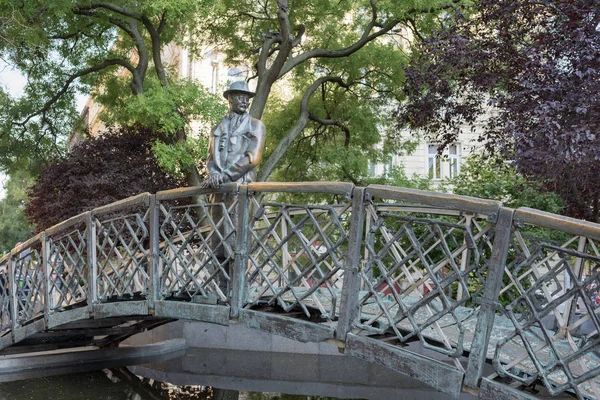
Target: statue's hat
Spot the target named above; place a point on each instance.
(238, 86)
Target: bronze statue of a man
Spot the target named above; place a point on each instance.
(235, 148)
(236, 144)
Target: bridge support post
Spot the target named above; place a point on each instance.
(351, 285)
(14, 314)
(92, 265)
(492, 286)
(46, 274)
(153, 266)
(238, 278)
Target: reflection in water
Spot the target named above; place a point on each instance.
(279, 396)
(86, 385)
(121, 384)
(149, 389)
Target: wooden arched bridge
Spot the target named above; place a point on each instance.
(499, 302)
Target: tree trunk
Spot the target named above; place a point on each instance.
(270, 164)
(193, 177)
(259, 101)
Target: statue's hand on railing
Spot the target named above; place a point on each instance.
(213, 182)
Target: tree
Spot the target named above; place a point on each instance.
(97, 172)
(496, 179)
(14, 226)
(530, 70)
(114, 48)
(328, 47)
(343, 64)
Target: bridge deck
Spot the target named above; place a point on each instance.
(371, 268)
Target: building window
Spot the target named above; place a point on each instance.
(445, 165)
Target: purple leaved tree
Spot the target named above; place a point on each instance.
(530, 70)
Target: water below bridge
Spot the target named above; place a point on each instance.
(198, 373)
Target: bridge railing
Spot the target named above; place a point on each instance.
(297, 252)
(65, 265)
(423, 269)
(551, 293)
(482, 290)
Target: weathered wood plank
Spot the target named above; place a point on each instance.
(142, 198)
(92, 265)
(493, 284)
(351, 287)
(154, 265)
(433, 373)
(238, 278)
(30, 242)
(444, 200)
(29, 330)
(560, 223)
(290, 328)
(491, 390)
(195, 191)
(64, 317)
(303, 187)
(198, 312)
(139, 307)
(61, 226)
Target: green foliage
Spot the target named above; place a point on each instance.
(97, 172)
(494, 178)
(396, 176)
(165, 109)
(66, 48)
(347, 124)
(341, 151)
(14, 226)
(177, 158)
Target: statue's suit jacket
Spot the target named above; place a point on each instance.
(236, 154)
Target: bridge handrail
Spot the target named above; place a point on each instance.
(384, 262)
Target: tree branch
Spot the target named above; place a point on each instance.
(286, 42)
(329, 53)
(348, 175)
(413, 28)
(156, 47)
(298, 38)
(261, 64)
(365, 38)
(111, 7)
(71, 79)
(373, 10)
(332, 122)
(163, 22)
(293, 133)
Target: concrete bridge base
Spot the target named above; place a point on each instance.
(240, 358)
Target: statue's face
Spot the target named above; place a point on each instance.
(238, 102)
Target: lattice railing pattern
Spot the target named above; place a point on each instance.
(29, 275)
(68, 269)
(296, 256)
(196, 250)
(551, 294)
(122, 256)
(518, 290)
(5, 313)
(421, 274)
